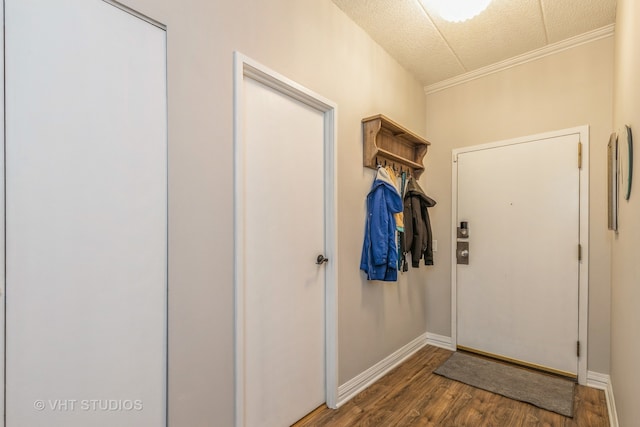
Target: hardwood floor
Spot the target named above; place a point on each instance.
(412, 395)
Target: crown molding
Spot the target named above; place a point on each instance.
(534, 55)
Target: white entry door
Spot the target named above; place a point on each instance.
(86, 216)
(281, 216)
(518, 298)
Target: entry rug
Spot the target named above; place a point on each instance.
(546, 392)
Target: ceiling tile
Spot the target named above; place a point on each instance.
(435, 50)
(568, 18)
(403, 29)
(505, 29)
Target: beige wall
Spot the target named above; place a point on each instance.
(315, 44)
(560, 91)
(625, 278)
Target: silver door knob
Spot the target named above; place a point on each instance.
(464, 253)
(321, 259)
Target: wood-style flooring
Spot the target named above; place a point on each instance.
(412, 395)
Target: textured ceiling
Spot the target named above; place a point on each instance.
(435, 50)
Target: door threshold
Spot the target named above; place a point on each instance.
(534, 366)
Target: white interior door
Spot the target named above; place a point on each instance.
(86, 216)
(283, 225)
(518, 297)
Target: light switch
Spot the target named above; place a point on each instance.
(435, 246)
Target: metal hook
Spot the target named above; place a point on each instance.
(321, 259)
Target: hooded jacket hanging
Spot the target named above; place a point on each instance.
(417, 227)
(379, 251)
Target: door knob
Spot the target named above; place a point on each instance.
(321, 259)
(462, 252)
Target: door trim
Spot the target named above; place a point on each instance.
(583, 269)
(137, 14)
(245, 67)
(3, 226)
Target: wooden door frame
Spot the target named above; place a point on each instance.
(245, 67)
(583, 274)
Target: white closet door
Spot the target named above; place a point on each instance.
(86, 216)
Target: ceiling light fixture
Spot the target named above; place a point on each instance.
(457, 10)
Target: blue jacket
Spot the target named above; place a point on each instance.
(379, 251)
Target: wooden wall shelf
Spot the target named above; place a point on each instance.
(385, 141)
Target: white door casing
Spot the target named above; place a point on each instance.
(86, 215)
(2, 228)
(284, 217)
(524, 233)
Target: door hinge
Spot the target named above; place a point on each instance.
(579, 252)
(579, 155)
(578, 348)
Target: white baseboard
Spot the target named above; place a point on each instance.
(440, 341)
(597, 380)
(357, 384)
(603, 382)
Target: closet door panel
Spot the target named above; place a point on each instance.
(86, 216)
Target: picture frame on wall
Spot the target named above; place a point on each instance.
(612, 182)
(627, 165)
